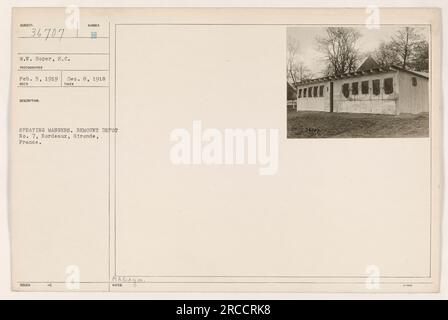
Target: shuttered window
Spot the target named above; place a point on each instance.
(365, 87)
(355, 88)
(388, 85)
(346, 90)
(376, 87)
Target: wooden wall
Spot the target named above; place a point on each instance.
(413, 99)
(405, 98)
(367, 103)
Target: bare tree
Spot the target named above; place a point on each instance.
(385, 55)
(403, 43)
(420, 58)
(339, 47)
(296, 70)
(406, 49)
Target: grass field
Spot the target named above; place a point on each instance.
(313, 124)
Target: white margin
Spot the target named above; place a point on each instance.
(5, 45)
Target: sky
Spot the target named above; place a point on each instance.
(370, 40)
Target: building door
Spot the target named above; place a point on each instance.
(331, 96)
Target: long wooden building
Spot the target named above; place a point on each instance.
(370, 89)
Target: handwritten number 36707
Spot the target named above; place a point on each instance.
(46, 33)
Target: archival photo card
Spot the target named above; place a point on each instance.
(221, 150)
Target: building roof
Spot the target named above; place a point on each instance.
(424, 74)
(368, 64)
(360, 73)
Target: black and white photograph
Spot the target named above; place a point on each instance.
(358, 82)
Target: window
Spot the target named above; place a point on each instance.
(300, 93)
(315, 91)
(354, 88)
(414, 81)
(310, 92)
(388, 85)
(321, 91)
(376, 87)
(304, 92)
(345, 90)
(365, 87)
